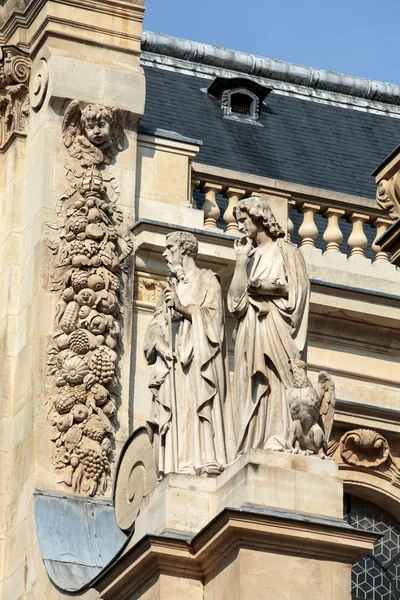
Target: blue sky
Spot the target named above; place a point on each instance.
(356, 37)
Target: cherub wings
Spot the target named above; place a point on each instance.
(71, 128)
(325, 389)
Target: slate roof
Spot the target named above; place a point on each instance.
(301, 141)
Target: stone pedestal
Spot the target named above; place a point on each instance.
(277, 480)
(269, 527)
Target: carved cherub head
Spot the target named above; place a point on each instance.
(96, 122)
(93, 135)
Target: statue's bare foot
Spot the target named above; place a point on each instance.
(211, 469)
(188, 470)
(274, 447)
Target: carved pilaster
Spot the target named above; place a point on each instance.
(90, 250)
(15, 68)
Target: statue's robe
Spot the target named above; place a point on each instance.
(270, 331)
(202, 391)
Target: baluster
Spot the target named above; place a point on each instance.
(381, 225)
(332, 235)
(358, 241)
(195, 183)
(210, 207)
(233, 194)
(290, 228)
(308, 230)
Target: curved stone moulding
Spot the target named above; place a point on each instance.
(90, 251)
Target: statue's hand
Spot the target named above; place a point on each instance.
(171, 298)
(164, 351)
(253, 286)
(243, 247)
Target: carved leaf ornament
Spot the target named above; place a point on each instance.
(15, 67)
(89, 250)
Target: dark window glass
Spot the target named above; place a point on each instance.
(241, 104)
(376, 576)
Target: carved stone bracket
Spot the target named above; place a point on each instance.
(388, 195)
(15, 68)
(90, 251)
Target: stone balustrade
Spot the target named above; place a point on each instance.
(331, 226)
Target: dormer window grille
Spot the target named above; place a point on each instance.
(241, 102)
(240, 98)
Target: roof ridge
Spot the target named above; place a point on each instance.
(258, 66)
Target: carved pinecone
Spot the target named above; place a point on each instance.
(79, 341)
(103, 368)
(79, 280)
(65, 400)
(78, 224)
(80, 393)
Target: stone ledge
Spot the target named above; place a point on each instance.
(273, 531)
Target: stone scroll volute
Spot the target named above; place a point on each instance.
(15, 67)
(90, 250)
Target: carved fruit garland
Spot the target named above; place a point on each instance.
(89, 254)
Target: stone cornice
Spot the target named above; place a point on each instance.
(257, 66)
(51, 12)
(251, 527)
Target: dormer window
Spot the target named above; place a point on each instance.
(239, 98)
(242, 102)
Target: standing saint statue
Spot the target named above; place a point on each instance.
(191, 423)
(269, 296)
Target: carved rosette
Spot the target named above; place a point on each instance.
(364, 448)
(15, 68)
(90, 250)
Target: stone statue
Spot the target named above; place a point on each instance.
(191, 423)
(93, 135)
(269, 295)
(312, 411)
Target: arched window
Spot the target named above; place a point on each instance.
(376, 576)
(240, 102)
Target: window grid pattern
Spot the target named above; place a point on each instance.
(376, 576)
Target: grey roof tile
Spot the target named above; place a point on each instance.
(301, 141)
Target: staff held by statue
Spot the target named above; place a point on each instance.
(174, 416)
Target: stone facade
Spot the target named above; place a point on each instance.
(91, 184)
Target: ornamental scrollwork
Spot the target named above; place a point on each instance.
(364, 448)
(15, 68)
(388, 196)
(90, 253)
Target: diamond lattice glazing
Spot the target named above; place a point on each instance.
(377, 575)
